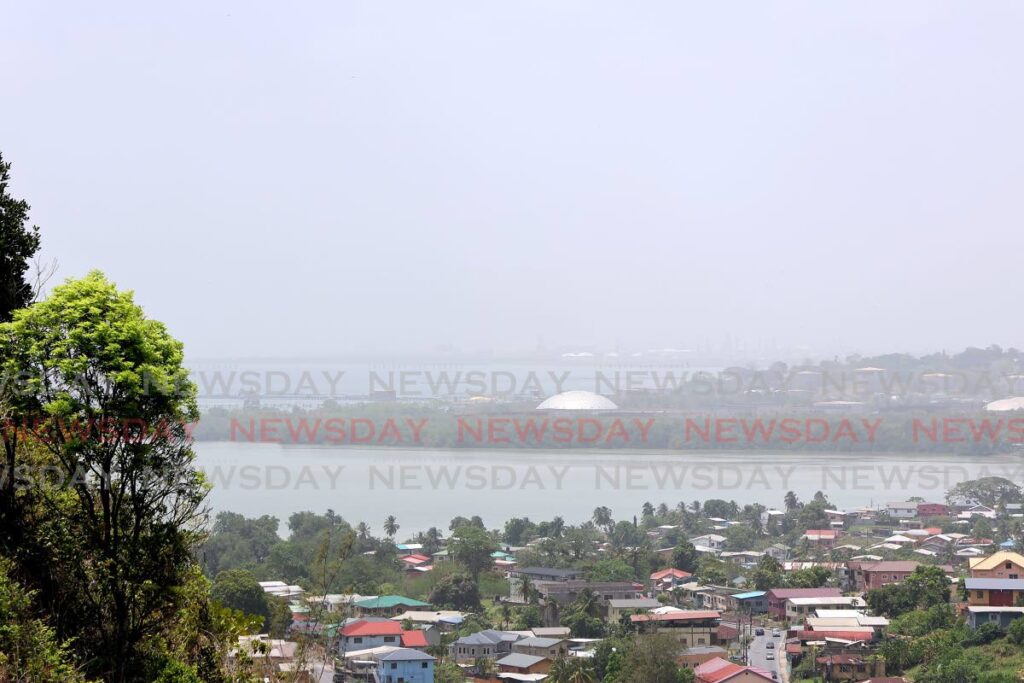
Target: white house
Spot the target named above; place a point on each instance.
(902, 510)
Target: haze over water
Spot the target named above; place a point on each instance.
(424, 487)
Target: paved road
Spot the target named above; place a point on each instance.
(758, 651)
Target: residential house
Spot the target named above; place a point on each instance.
(537, 575)
(693, 657)
(443, 620)
(777, 598)
(364, 634)
(821, 538)
(932, 510)
(616, 608)
(405, 666)
(710, 542)
(552, 648)
(488, 643)
(387, 606)
(768, 515)
(689, 627)
(779, 551)
(850, 667)
(667, 579)
(978, 615)
(994, 592)
(1001, 565)
(902, 510)
(416, 562)
(865, 576)
(978, 511)
(523, 664)
(545, 573)
(409, 548)
(719, 670)
(799, 608)
(750, 602)
(550, 631)
(564, 592)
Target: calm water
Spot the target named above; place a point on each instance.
(429, 487)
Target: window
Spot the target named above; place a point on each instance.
(1009, 565)
(357, 640)
(394, 665)
(389, 639)
(979, 594)
(423, 665)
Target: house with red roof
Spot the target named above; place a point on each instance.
(669, 578)
(821, 538)
(416, 562)
(720, 670)
(364, 634)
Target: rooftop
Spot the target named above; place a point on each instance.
(577, 400)
(519, 661)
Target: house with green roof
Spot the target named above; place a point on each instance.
(387, 606)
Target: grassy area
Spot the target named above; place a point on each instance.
(1001, 657)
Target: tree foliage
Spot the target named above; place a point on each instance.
(18, 244)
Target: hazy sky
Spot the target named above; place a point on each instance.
(311, 178)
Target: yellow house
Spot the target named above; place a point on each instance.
(1002, 565)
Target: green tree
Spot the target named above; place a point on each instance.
(685, 557)
(110, 402)
(1015, 632)
(603, 518)
(711, 571)
(390, 526)
(238, 589)
(990, 491)
(768, 574)
(654, 658)
(18, 244)
(29, 649)
(456, 591)
(611, 569)
(471, 547)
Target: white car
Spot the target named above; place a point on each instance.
(770, 656)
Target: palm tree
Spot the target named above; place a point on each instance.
(582, 671)
(571, 670)
(391, 526)
(587, 603)
(363, 531)
(557, 527)
(663, 510)
(603, 517)
(432, 540)
(527, 589)
(648, 509)
(695, 506)
(792, 502)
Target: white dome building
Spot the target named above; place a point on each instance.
(577, 400)
(1004, 404)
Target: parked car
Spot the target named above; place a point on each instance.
(775, 676)
(770, 655)
(775, 633)
(758, 631)
(770, 645)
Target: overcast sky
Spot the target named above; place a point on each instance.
(312, 178)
